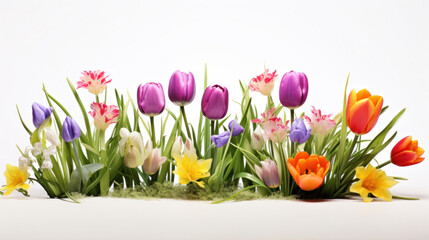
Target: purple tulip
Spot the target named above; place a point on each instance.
(237, 130)
(268, 173)
(150, 98)
(181, 89)
(293, 89)
(40, 113)
(214, 104)
(299, 132)
(221, 139)
(71, 130)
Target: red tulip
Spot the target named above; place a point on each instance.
(406, 152)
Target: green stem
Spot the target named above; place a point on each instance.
(384, 164)
(105, 180)
(97, 99)
(349, 153)
(78, 163)
(185, 119)
(285, 173)
(152, 127)
(292, 144)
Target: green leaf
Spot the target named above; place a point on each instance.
(87, 170)
(252, 178)
(22, 121)
(91, 149)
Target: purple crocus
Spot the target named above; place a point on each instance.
(221, 139)
(181, 89)
(237, 130)
(40, 113)
(71, 130)
(214, 104)
(151, 99)
(299, 132)
(293, 89)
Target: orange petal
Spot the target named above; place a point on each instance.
(419, 151)
(350, 102)
(362, 94)
(400, 146)
(309, 182)
(414, 145)
(359, 116)
(301, 155)
(378, 103)
(293, 172)
(328, 165)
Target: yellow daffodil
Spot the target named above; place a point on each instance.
(373, 181)
(190, 169)
(15, 179)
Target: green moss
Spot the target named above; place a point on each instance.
(188, 192)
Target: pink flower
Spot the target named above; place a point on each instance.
(275, 130)
(94, 81)
(263, 83)
(104, 115)
(320, 124)
(266, 116)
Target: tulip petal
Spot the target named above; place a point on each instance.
(301, 155)
(293, 172)
(351, 102)
(378, 103)
(310, 182)
(359, 116)
(401, 145)
(404, 158)
(362, 94)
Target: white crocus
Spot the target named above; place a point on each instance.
(52, 137)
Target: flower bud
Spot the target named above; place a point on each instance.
(176, 150)
(71, 130)
(52, 137)
(258, 139)
(153, 162)
(406, 152)
(363, 110)
(299, 132)
(150, 99)
(269, 173)
(189, 149)
(236, 128)
(293, 89)
(214, 104)
(221, 139)
(40, 114)
(131, 148)
(181, 89)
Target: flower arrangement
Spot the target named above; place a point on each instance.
(306, 156)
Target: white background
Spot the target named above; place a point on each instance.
(383, 44)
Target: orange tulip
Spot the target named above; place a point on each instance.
(308, 171)
(363, 111)
(406, 152)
